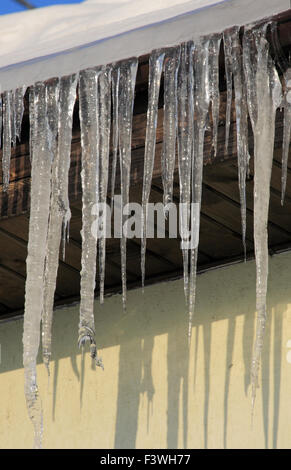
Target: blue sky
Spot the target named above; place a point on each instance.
(11, 6)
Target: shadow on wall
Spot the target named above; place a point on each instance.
(129, 393)
(135, 334)
(178, 361)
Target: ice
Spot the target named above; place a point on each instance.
(155, 70)
(234, 68)
(171, 65)
(52, 113)
(228, 75)
(63, 95)
(13, 118)
(264, 96)
(35, 263)
(6, 155)
(52, 250)
(115, 75)
(185, 147)
(286, 130)
(214, 48)
(31, 120)
(16, 113)
(19, 109)
(1, 119)
(88, 96)
(104, 123)
(128, 71)
(201, 102)
(191, 83)
(284, 65)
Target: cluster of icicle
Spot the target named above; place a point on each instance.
(106, 99)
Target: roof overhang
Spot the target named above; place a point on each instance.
(66, 39)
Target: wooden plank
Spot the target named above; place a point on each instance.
(224, 181)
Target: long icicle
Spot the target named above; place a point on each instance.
(104, 122)
(1, 119)
(233, 53)
(6, 156)
(229, 79)
(51, 264)
(214, 48)
(59, 203)
(201, 100)
(185, 147)
(286, 131)
(88, 90)
(13, 117)
(115, 76)
(53, 113)
(31, 121)
(263, 99)
(35, 263)
(171, 66)
(155, 71)
(128, 71)
(284, 64)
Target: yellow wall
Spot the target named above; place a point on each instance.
(154, 392)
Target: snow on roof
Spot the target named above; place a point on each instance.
(62, 39)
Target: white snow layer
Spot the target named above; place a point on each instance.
(63, 39)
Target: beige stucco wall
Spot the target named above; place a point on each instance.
(154, 392)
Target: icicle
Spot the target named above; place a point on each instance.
(1, 119)
(234, 67)
(214, 48)
(264, 96)
(128, 71)
(104, 121)
(88, 90)
(228, 75)
(171, 66)
(52, 92)
(185, 147)
(31, 120)
(53, 242)
(115, 76)
(6, 155)
(285, 66)
(35, 263)
(155, 70)
(67, 102)
(13, 117)
(249, 58)
(19, 110)
(202, 100)
(63, 95)
(286, 130)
